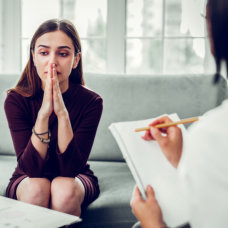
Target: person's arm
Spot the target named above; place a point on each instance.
(65, 132)
(30, 151)
(148, 211)
(20, 123)
(73, 147)
(169, 139)
(42, 120)
(75, 156)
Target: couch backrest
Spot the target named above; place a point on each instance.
(129, 97)
(7, 81)
(133, 98)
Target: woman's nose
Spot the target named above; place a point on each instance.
(53, 60)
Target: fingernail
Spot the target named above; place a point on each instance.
(148, 187)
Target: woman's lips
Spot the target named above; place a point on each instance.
(57, 72)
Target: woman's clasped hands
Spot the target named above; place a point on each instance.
(52, 99)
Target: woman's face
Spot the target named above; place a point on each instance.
(55, 48)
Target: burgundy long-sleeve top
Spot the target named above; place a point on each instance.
(84, 107)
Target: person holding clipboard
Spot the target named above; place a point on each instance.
(202, 159)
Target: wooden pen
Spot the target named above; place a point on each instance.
(184, 121)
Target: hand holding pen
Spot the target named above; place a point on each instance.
(171, 142)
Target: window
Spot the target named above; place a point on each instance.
(10, 27)
(158, 41)
(91, 26)
(118, 36)
(33, 13)
(90, 19)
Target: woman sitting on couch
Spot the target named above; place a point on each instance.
(53, 120)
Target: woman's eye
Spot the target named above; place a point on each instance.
(63, 54)
(43, 53)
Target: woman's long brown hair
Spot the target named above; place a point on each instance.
(29, 83)
(217, 17)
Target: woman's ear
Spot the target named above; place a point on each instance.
(76, 60)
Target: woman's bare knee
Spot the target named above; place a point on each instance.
(67, 195)
(34, 191)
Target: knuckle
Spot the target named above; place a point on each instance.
(164, 143)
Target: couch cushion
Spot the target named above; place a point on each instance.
(7, 166)
(131, 97)
(112, 208)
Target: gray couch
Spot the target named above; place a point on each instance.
(128, 97)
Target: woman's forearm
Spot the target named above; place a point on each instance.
(65, 132)
(40, 126)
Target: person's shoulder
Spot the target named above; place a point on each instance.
(13, 96)
(88, 93)
(17, 100)
(14, 102)
(209, 134)
(213, 121)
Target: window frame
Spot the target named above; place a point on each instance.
(116, 37)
